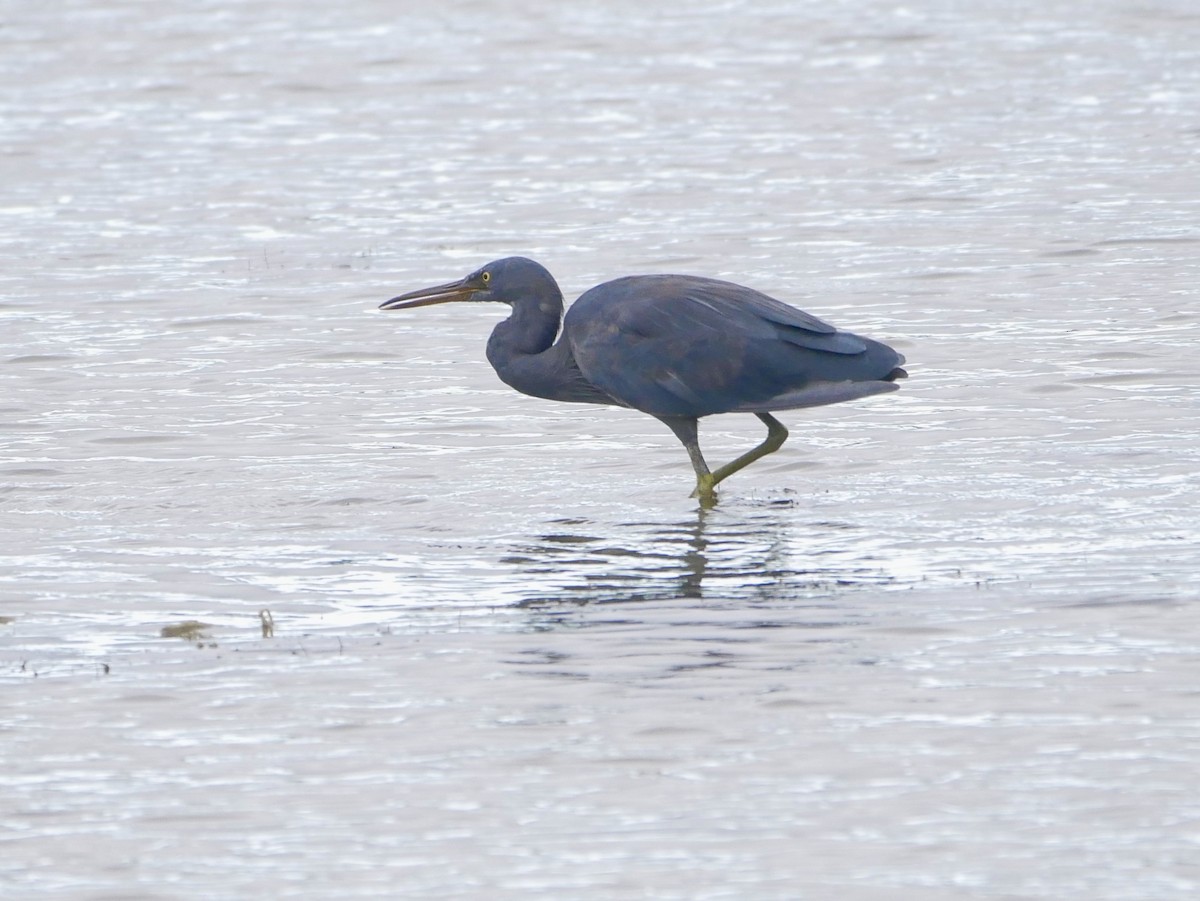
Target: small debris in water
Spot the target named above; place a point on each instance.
(188, 630)
(268, 623)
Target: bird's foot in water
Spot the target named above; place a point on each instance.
(706, 490)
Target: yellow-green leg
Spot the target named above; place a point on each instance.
(706, 480)
(776, 435)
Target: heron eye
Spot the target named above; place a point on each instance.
(486, 277)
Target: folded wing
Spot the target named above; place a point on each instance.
(673, 345)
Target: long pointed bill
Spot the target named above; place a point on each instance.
(459, 290)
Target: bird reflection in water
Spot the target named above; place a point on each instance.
(677, 347)
(744, 558)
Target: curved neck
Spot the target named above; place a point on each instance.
(517, 347)
(530, 329)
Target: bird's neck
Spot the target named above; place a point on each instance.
(522, 350)
(530, 329)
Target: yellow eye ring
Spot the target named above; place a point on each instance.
(486, 277)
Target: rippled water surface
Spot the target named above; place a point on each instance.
(942, 645)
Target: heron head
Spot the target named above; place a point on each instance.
(506, 281)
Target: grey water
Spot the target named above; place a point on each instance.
(942, 645)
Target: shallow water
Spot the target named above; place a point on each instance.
(943, 643)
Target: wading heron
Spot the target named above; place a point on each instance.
(678, 347)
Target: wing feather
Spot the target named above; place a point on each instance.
(685, 346)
